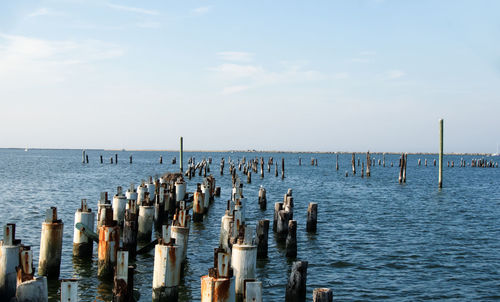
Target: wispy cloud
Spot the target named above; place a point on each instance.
(240, 77)
(236, 56)
(133, 9)
(234, 89)
(24, 59)
(44, 12)
(148, 24)
(201, 10)
(393, 74)
(364, 56)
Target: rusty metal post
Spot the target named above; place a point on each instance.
(145, 223)
(167, 271)
(296, 286)
(121, 291)
(51, 245)
(218, 285)
(312, 217)
(243, 262)
(322, 295)
(82, 244)
(109, 242)
(119, 204)
(253, 291)
(9, 260)
(69, 290)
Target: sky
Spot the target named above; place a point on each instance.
(241, 75)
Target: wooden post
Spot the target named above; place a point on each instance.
(83, 245)
(282, 168)
(130, 229)
(276, 169)
(362, 169)
(337, 162)
(262, 198)
(312, 217)
(277, 207)
(440, 153)
(51, 245)
(261, 239)
(282, 225)
(353, 162)
(181, 155)
(116, 158)
(322, 295)
(83, 156)
(296, 286)
(401, 168)
(101, 158)
(368, 164)
(198, 206)
(291, 239)
(405, 164)
(249, 176)
(130, 158)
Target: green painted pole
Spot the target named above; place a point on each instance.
(181, 156)
(440, 153)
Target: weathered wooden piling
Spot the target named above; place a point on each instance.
(121, 291)
(277, 207)
(296, 286)
(83, 156)
(282, 168)
(405, 165)
(262, 237)
(253, 291)
(262, 198)
(312, 217)
(69, 290)
(167, 271)
(9, 260)
(276, 169)
(353, 163)
(100, 157)
(362, 169)
(440, 180)
(130, 158)
(368, 164)
(198, 205)
(109, 242)
(51, 245)
(82, 244)
(249, 177)
(282, 225)
(322, 295)
(181, 151)
(291, 239)
(243, 262)
(130, 228)
(337, 161)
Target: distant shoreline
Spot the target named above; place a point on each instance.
(256, 151)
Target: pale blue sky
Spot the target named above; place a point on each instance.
(266, 75)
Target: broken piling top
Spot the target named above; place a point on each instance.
(69, 290)
(119, 191)
(222, 264)
(83, 207)
(104, 198)
(51, 215)
(9, 234)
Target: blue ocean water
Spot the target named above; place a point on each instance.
(376, 239)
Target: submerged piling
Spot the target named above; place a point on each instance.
(261, 240)
(312, 217)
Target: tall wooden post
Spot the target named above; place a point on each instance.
(181, 151)
(440, 153)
